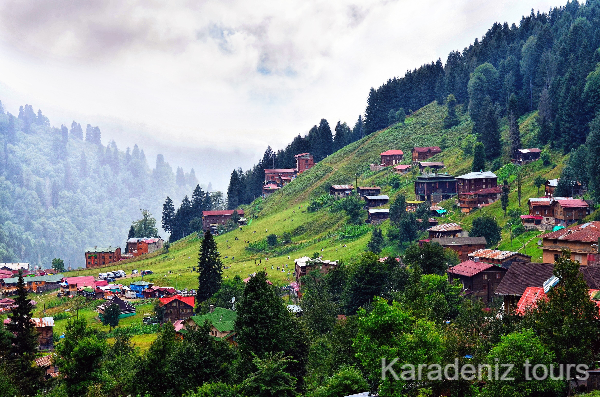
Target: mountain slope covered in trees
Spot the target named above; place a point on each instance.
(62, 190)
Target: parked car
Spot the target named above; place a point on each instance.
(145, 272)
(110, 279)
(119, 273)
(102, 276)
(134, 271)
(110, 274)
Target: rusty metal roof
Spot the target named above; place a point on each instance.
(43, 322)
(446, 227)
(470, 268)
(392, 153)
(492, 254)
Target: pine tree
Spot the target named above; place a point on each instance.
(210, 269)
(398, 209)
(198, 198)
(168, 215)
(478, 158)
(513, 126)
(131, 233)
(24, 343)
(451, 118)
(504, 196)
(489, 132)
(376, 242)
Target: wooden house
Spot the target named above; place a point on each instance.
(423, 153)
(581, 240)
(368, 191)
(178, 307)
(36, 284)
(549, 187)
(305, 265)
(47, 364)
(378, 215)
(127, 309)
(281, 176)
(474, 181)
(376, 201)
(97, 257)
(217, 217)
(520, 276)
(568, 211)
(45, 331)
(524, 156)
(70, 285)
(434, 166)
(435, 187)
(463, 246)
(497, 257)
(221, 321)
(341, 190)
(139, 246)
(15, 267)
(391, 157)
(480, 198)
(478, 279)
(402, 168)
(304, 161)
(445, 230)
(269, 189)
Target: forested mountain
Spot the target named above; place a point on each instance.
(62, 190)
(548, 63)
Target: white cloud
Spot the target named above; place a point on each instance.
(232, 75)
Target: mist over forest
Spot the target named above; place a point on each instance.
(62, 190)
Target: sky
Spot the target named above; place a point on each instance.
(210, 84)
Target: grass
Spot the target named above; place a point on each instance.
(320, 231)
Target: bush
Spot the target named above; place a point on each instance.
(272, 240)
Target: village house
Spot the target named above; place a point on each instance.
(423, 153)
(376, 201)
(97, 257)
(138, 287)
(478, 279)
(497, 257)
(178, 307)
(35, 284)
(550, 186)
(547, 212)
(127, 309)
(70, 285)
(305, 265)
(341, 190)
(581, 240)
(281, 176)
(15, 267)
(474, 181)
(434, 166)
(518, 278)
(221, 321)
(269, 189)
(378, 215)
(533, 295)
(46, 362)
(139, 246)
(217, 217)
(304, 161)
(413, 205)
(368, 191)
(402, 168)
(445, 230)
(479, 198)
(6, 305)
(463, 246)
(391, 157)
(435, 187)
(568, 211)
(524, 156)
(44, 327)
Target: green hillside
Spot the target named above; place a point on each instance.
(327, 233)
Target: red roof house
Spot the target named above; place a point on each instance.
(391, 157)
(178, 307)
(219, 217)
(581, 240)
(477, 278)
(423, 153)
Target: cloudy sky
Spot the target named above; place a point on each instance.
(211, 83)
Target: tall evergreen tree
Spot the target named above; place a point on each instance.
(488, 131)
(514, 135)
(210, 269)
(478, 157)
(168, 215)
(24, 343)
(76, 131)
(593, 159)
(233, 191)
(451, 118)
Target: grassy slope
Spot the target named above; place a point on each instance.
(319, 232)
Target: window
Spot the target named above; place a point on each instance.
(485, 277)
(498, 275)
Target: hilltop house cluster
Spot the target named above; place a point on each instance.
(98, 257)
(276, 178)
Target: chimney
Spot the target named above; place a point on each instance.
(211, 308)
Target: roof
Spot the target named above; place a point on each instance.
(302, 154)
(521, 275)
(43, 322)
(470, 268)
(435, 177)
(458, 241)
(44, 361)
(536, 217)
(379, 211)
(530, 150)
(188, 300)
(305, 260)
(529, 299)
(434, 149)
(552, 182)
(140, 283)
(445, 227)
(144, 239)
(342, 187)
(493, 254)
(102, 249)
(369, 188)
(281, 171)
(15, 266)
(222, 319)
(402, 167)
(572, 203)
(431, 163)
(478, 175)
(222, 212)
(81, 281)
(588, 233)
(49, 278)
(379, 197)
(392, 153)
(125, 307)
